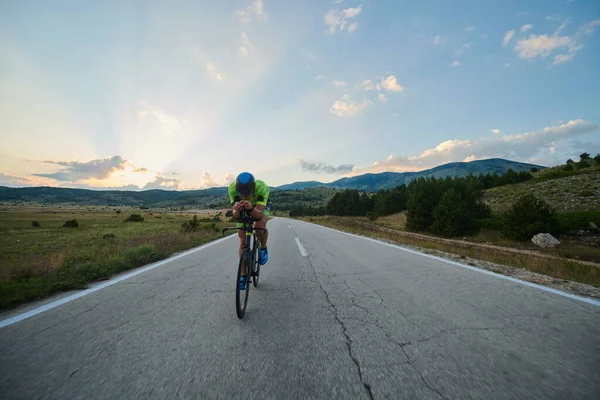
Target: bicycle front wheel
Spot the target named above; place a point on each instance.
(241, 296)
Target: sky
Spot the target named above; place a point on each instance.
(187, 94)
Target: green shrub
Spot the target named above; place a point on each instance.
(372, 215)
(35, 224)
(528, 217)
(109, 236)
(72, 223)
(141, 255)
(134, 218)
(583, 164)
(422, 199)
(494, 222)
(575, 221)
(451, 216)
(194, 225)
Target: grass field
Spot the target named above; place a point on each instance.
(577, 190)
(36, 261)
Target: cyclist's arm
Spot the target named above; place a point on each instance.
(262, 197)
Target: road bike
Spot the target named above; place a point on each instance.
(249, 260)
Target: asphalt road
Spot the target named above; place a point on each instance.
(351, 319)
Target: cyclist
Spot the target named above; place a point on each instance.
(251, 194)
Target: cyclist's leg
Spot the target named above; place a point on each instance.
(263, 236)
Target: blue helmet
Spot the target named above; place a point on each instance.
(245, 184)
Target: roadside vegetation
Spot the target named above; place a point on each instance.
(45, 251)
(505, 211)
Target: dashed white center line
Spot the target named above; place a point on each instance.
(301, 248)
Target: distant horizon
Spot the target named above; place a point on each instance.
(284, 184)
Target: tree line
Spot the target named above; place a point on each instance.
(447, 206)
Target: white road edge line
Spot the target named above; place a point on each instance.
(20, 317)
(483, 271)
(301, 248)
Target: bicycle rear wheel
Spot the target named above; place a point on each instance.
(241, 296)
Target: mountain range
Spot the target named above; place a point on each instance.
(214, 197)
(388, 180)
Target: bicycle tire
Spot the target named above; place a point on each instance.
(255, 262)
(241, 299)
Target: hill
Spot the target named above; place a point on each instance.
(565, 191)
(388, 180)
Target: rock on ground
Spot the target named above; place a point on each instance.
(544, 240)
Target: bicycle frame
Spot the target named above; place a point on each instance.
(248, 227)
(249, 254)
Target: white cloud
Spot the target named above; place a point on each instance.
(506, 65)
(255, 9)
(212, 71)
(345, 108)
(526, 27)
(456, 63)
(352, 12)
(561, 58)
(338, 1)
(438, 40)
(496, 131)
(208, 181)
(470, 28)
(382, 97)
(244, 49)
(228, 178)
(541, 46)
(11, 180)
(100, 169)
(395, 115)
(368, 85)
(321, 167)
(544, 45)
(162, 182)
(319, 77)
(508, 37)
(523, 147)
(337, 19)
(390, 83)
(339, 83)
(460, 51)
(588, 28)
(167, 120)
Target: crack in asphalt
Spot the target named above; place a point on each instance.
(334, 311)
(385, 306)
